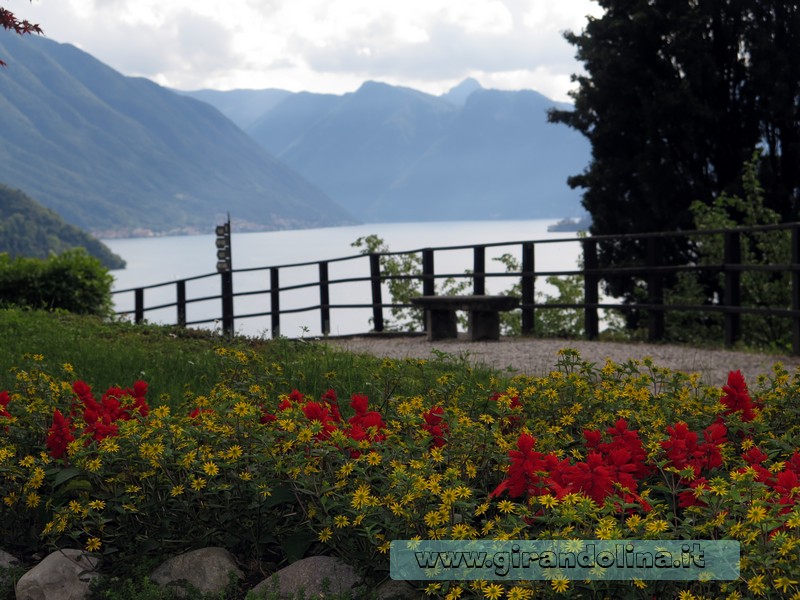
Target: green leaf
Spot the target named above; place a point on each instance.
(295, 545)
(65, 475)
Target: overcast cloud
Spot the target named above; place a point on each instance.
(324, 45)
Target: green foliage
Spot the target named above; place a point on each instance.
(27, 229)
(674, 99)
(555, 322)
(402, 274)
(758, 288)
(71, 281)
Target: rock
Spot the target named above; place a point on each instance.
(62, 575)
(397, 590)
(313, 576)
(206, 569)
(7, 561)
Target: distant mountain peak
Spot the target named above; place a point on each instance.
(459, 94)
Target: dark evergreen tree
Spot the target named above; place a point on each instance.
(676, 96)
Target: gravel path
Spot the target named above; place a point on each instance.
(538, 356)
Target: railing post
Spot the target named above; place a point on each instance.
(138, 305)
(324, 299)
(527, 283)
(180, 301)
(275, 301)
(377, 293)
(226, 278)
(590, 283)
(479, 270)
(428, 282)
(655, 290)
(733, 300)
(796, 289)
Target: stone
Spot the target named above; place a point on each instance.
(206, 569)
(397, 590)
(7, 561)
(313, 576)
(62, 575)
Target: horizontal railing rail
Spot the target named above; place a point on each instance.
(651, 271)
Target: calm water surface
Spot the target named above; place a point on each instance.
(168, 259)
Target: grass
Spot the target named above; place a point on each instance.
(177, 361)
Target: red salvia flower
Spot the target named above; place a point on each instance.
(736, 398)
(59, 435)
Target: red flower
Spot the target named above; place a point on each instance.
(592, 477)
(436, 426)
(316, 411)
(59, 435)
(736, 398)
(4, 400)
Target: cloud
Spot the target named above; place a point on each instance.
(322, 45)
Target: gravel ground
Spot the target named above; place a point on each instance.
(538, 356)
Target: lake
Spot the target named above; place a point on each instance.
(168, 259)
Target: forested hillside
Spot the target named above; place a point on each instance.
(29, 229)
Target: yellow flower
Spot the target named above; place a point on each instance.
(361, 497)
(75, 506)
(756, 514)
(210, 469)
(234, 452)
(454, 593)
(177, 490)
(518, 593)
(560, 585)
(493, 591)
(197, 483)
(506, 507)
(325, 535)
(97, 504)
(548, 501)
(449, 496)
(345, 470)
(373, 458)
(434, 518)
(686, 595)
(32, 500)
(93, 465)
(341, 521)
(756, 585)
(93, 544)
(384, 547)
(656, 526)
(783, 583)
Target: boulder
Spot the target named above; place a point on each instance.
(207, 570)
(7, 561)
(397, 590)
(313, 576)
(62, 575)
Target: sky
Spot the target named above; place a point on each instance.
(324, 46)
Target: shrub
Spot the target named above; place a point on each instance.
(618, 451)
(72, 281)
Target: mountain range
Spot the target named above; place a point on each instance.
(121, 155)
(388, 153)
(124, 156)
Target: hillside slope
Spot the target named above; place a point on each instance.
(31, 230)
(116, 154)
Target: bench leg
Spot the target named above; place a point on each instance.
(441, 324)
(484, 325)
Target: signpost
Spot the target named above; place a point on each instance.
(225, 269)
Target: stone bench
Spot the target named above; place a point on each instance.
(483, 311)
